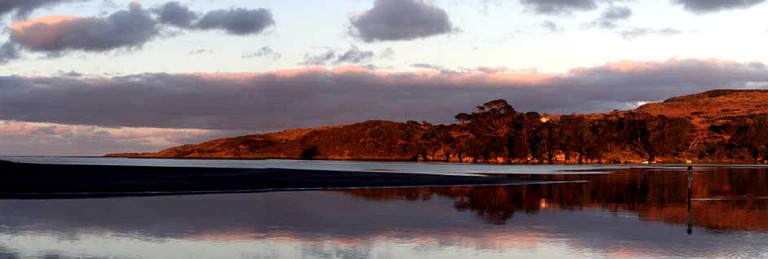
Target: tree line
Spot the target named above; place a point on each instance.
(496, 132)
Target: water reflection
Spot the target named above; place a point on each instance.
(689, 230)
(629, 213)
(720, 197)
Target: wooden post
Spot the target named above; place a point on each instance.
(690, 183)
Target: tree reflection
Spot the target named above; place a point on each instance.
(722, 198)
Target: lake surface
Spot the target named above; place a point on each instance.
(355, 166)
(632, 212)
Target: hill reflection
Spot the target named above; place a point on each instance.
(722, 198)
(598, 218)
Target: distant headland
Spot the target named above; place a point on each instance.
(714, 126)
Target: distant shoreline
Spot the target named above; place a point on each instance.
(716, 126)
(670, 162)
(43, 181)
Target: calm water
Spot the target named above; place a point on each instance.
(394, 167)
(637, 212)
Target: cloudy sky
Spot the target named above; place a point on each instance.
(88, 77)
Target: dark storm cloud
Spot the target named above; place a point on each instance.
(237, 21)
(314, 97)
(174, 13)
(612, 15)
(559, 6)
(393, 20)
(22, 8)
(123, 29)
(707, 6)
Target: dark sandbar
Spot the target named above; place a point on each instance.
(39, 181)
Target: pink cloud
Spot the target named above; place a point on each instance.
(39, 32)
(122, 29)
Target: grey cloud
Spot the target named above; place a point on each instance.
(612, 15)
(559, 6)
(200, 51)
(22, 8)
(428, 66)
(274, 101)
(373, 67)
(108, 4)
(70, 73)
(233, 21)
(130, 28)
(394, 20)
(319, 59)
(8, 52)
(123, 29)
(492, 70)
(174, 13)
(264, 52)
(237, 21)
(640, 32)
(707, 6)
(351, 56)
(355, 56)
(551, 26)
(388, 53)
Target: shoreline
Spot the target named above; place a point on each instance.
(699, 163)
(668, 162)
(45, 181)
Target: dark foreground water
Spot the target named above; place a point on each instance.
(640, 212)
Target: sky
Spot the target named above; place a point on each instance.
(89, 77)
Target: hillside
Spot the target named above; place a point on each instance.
(373, 140)
(714, 126)
(711, 107)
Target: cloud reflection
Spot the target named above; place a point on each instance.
(560, 220)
